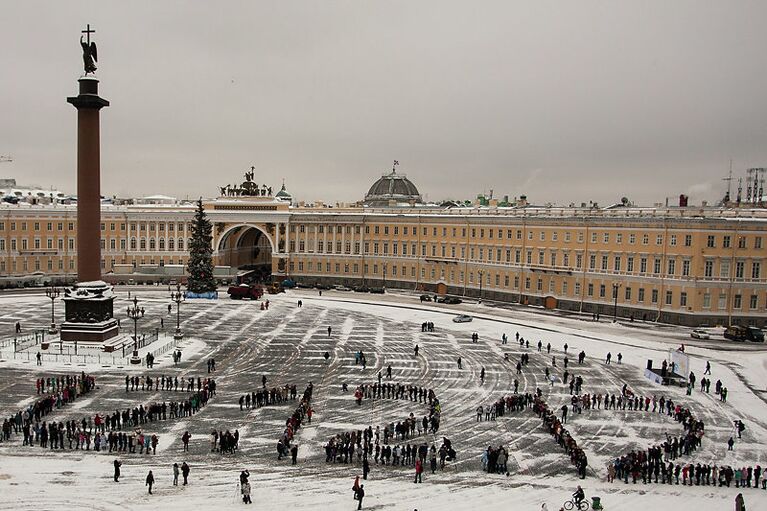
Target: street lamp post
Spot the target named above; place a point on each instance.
(481, 274)
(616, 286)
(135, 313)
(52, 293)
(384, 277)
(178, 297)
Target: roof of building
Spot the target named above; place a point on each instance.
(392, 187)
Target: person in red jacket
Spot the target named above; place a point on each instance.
(418, 471)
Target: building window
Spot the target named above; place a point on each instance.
(632, 238)
(627, 296)
(755, 270)
(645, 239)
(725, 242)
(656, 266)
(706, 300)
(737, 302)
(739, 266)
(590, 290)
(742, 242)
(669, 297)
(758, 242)
(617, 263)
(686, 268)
(683, 299)
(688, 240)
(602, 290)
(708, 268)
(607, 237)
(619, 238)
(577, 289)
(753, 302)
(671, 266)
(593, 237)
(654, 296)
(711, 242)
(630, 264)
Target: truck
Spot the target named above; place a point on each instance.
(744, 333)
(251, 291)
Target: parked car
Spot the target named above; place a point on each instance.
(377, 290)
(463, 318)
(744, 333)
(361, 289)
(699, 334)
(450, 300)
(425, 298)
(339, 287)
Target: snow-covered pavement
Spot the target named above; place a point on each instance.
(287, 343)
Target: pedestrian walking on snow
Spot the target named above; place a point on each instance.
(149, 481)
(117, 464)
(175, 474)
(740, 504)
(360, 496)
(184, 472)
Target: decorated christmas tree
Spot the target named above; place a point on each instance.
(201, 254)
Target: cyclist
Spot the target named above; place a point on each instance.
(578, 496)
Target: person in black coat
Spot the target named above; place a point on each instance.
(149, 481)
(117, 464)
(360, 496)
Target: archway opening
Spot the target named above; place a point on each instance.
(249, 250)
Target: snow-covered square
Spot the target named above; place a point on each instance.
(287, 345)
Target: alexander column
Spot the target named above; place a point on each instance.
(89, 303)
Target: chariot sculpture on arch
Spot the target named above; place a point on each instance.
(248, 188)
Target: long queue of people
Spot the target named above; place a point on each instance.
(651, 468)
(294, 423)
(105, 432)
(61, 390)
(563, 437)
(267, 397)
(158, 383)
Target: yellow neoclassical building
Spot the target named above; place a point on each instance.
(687, 265)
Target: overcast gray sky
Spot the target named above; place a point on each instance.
(562, 101)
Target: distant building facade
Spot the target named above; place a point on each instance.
(687, 265)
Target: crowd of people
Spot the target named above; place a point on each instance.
(60, 391)
(494, 460)
(105, 432)
(224, 442)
